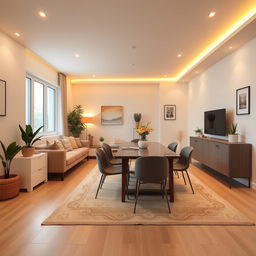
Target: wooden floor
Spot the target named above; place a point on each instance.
(21, 232)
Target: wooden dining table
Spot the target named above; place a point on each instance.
(126, 152)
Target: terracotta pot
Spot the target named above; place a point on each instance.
(9, 188)
(28, 152)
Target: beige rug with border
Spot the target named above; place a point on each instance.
(204, 207)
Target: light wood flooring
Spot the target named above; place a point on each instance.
(21, 232)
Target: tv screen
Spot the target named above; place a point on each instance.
(215, 122)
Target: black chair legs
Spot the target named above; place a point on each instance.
(102, 178)
(184, 178)
(167, 200)
(190, 182)
(137, 195)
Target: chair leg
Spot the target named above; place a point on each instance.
(190, 182)
(127, 186)
(168, 204)
(137, 194)
(162, 189)
(177, 174)
(184, 178)
(101, 178)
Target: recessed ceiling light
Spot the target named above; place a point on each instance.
(42, 14)
(230, 47)
(77, 55)
(211, 14)
(17, 34)
(179, 55)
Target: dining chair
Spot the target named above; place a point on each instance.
(151, 169)
(106, 169)
(108, 151)
(173, 147)
(183, 164)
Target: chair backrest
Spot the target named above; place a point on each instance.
(173, 146)
(102, 160)
(185, 156)
(108, 151)
(151, 169)
(135, 140)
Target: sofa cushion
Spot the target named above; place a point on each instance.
(73, 142)
(66, 144)
(82, 151)
(78, 142)
(52, 145)
(59, 144)
(75, 154)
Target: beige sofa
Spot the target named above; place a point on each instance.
(61, 160)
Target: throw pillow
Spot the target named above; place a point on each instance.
(78, 142)
(59, 144)
(73, 142)
(67, 144)
(52, 145)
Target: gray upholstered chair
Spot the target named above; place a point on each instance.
(173, 146)
(108, 151)
(105, 168)
(151, 169)
(183, 163)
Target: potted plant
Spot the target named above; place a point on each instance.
(198, 131)
(9, 183)
(74, 121)
(232, 133)
(29, 137)
(101, 140)
(137, 118)
(143, 131)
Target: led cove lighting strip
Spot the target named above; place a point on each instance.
(246, 19)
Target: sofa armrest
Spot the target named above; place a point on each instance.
(85, 143)
(56, 160)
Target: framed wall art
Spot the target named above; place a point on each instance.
(112, 115)
(243, 101)
(2, 98)
(169, 112)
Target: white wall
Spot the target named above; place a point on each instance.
(134, 98)
(147, 99)
(15, 62)
(216, 88)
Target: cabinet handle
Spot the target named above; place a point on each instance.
(217, 146)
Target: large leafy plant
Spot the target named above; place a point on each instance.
(28, 136)
(9, 153)
(74, 121)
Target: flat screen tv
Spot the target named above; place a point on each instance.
(215, 122)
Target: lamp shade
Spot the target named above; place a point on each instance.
(87, 120)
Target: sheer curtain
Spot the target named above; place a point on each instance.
(62, 81)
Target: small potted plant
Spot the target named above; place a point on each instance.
(101, 140)
(198, 131)
(29, 137)
(232, 133)
(137, 118)
(9, 183)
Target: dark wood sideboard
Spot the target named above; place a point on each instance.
(234, 160)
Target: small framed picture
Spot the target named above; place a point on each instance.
(243, 101)
(169, 112)
(2, 98)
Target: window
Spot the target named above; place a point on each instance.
(41, 104)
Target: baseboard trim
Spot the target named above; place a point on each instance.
(253, 185)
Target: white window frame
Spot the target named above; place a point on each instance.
(46, 84)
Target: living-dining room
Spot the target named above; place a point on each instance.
(127, 128)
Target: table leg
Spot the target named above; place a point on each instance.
(125, 168)
(171, 185)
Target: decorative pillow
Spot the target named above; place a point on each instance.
(52, 145)
(78, 142)
(59, 144)
(67, 144)
(73, 142)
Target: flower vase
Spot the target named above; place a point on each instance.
(142, 143)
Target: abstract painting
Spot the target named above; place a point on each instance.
(111, 115)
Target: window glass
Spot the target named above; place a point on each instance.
(50, 109)
(38, 105)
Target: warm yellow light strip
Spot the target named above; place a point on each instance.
(222, 39)
(126, 80)
(227, 35)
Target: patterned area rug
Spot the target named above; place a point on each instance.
(204, 207)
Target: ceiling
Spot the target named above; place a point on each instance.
(118, 38)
